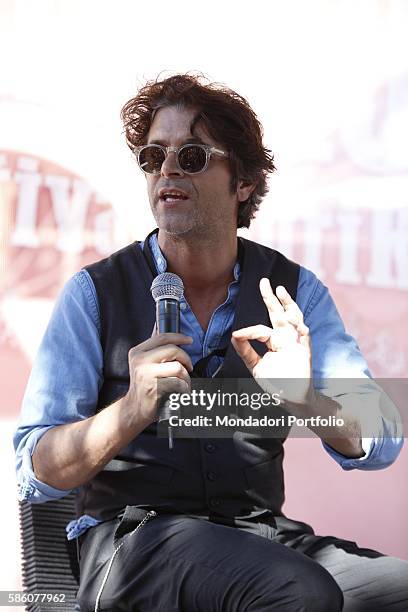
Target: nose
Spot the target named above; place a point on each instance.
(170, 166)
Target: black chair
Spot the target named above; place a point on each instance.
(49, 561)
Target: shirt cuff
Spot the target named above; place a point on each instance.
(379, 454)
(29, 487)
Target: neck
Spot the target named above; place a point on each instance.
(201, 265)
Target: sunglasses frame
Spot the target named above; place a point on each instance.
(209, 150)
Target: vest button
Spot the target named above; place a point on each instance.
(215, 502)
(212, 476)
(210, 447)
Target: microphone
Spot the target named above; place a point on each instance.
(167, 290)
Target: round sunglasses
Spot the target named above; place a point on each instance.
(190, 158)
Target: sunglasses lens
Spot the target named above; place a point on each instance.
(151, 159)
(192, 158)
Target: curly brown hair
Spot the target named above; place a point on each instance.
(227, 117)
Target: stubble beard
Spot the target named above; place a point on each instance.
(175, 224)
(190, 225)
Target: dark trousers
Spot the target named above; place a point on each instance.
(178, 563)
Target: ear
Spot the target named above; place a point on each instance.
(244, 190)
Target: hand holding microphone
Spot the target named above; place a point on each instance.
(159, 365)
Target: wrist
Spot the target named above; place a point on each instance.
(305, 404)
(132, 419)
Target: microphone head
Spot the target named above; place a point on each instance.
(167, 285)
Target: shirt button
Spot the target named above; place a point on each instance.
(210, 447)
(215, 502)
(212, 476)
(183, 305)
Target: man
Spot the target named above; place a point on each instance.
(198, 527)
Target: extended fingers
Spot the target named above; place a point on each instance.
(303, 331)
(283, 310)
(290, 307)
(275, 308)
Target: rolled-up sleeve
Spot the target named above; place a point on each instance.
(29, 487)
(64, 382)
(337, 357)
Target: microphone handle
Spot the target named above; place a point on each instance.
(168, 315)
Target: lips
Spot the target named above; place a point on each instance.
(172, 195)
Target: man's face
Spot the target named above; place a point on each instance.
(210, 207)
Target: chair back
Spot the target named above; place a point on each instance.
(49, 561)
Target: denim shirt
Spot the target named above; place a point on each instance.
(68, 371)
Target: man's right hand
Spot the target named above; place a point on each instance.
(69, 455)
(156, 367)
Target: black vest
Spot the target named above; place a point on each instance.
(240, 476)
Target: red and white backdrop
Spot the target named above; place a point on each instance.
(330, 84)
